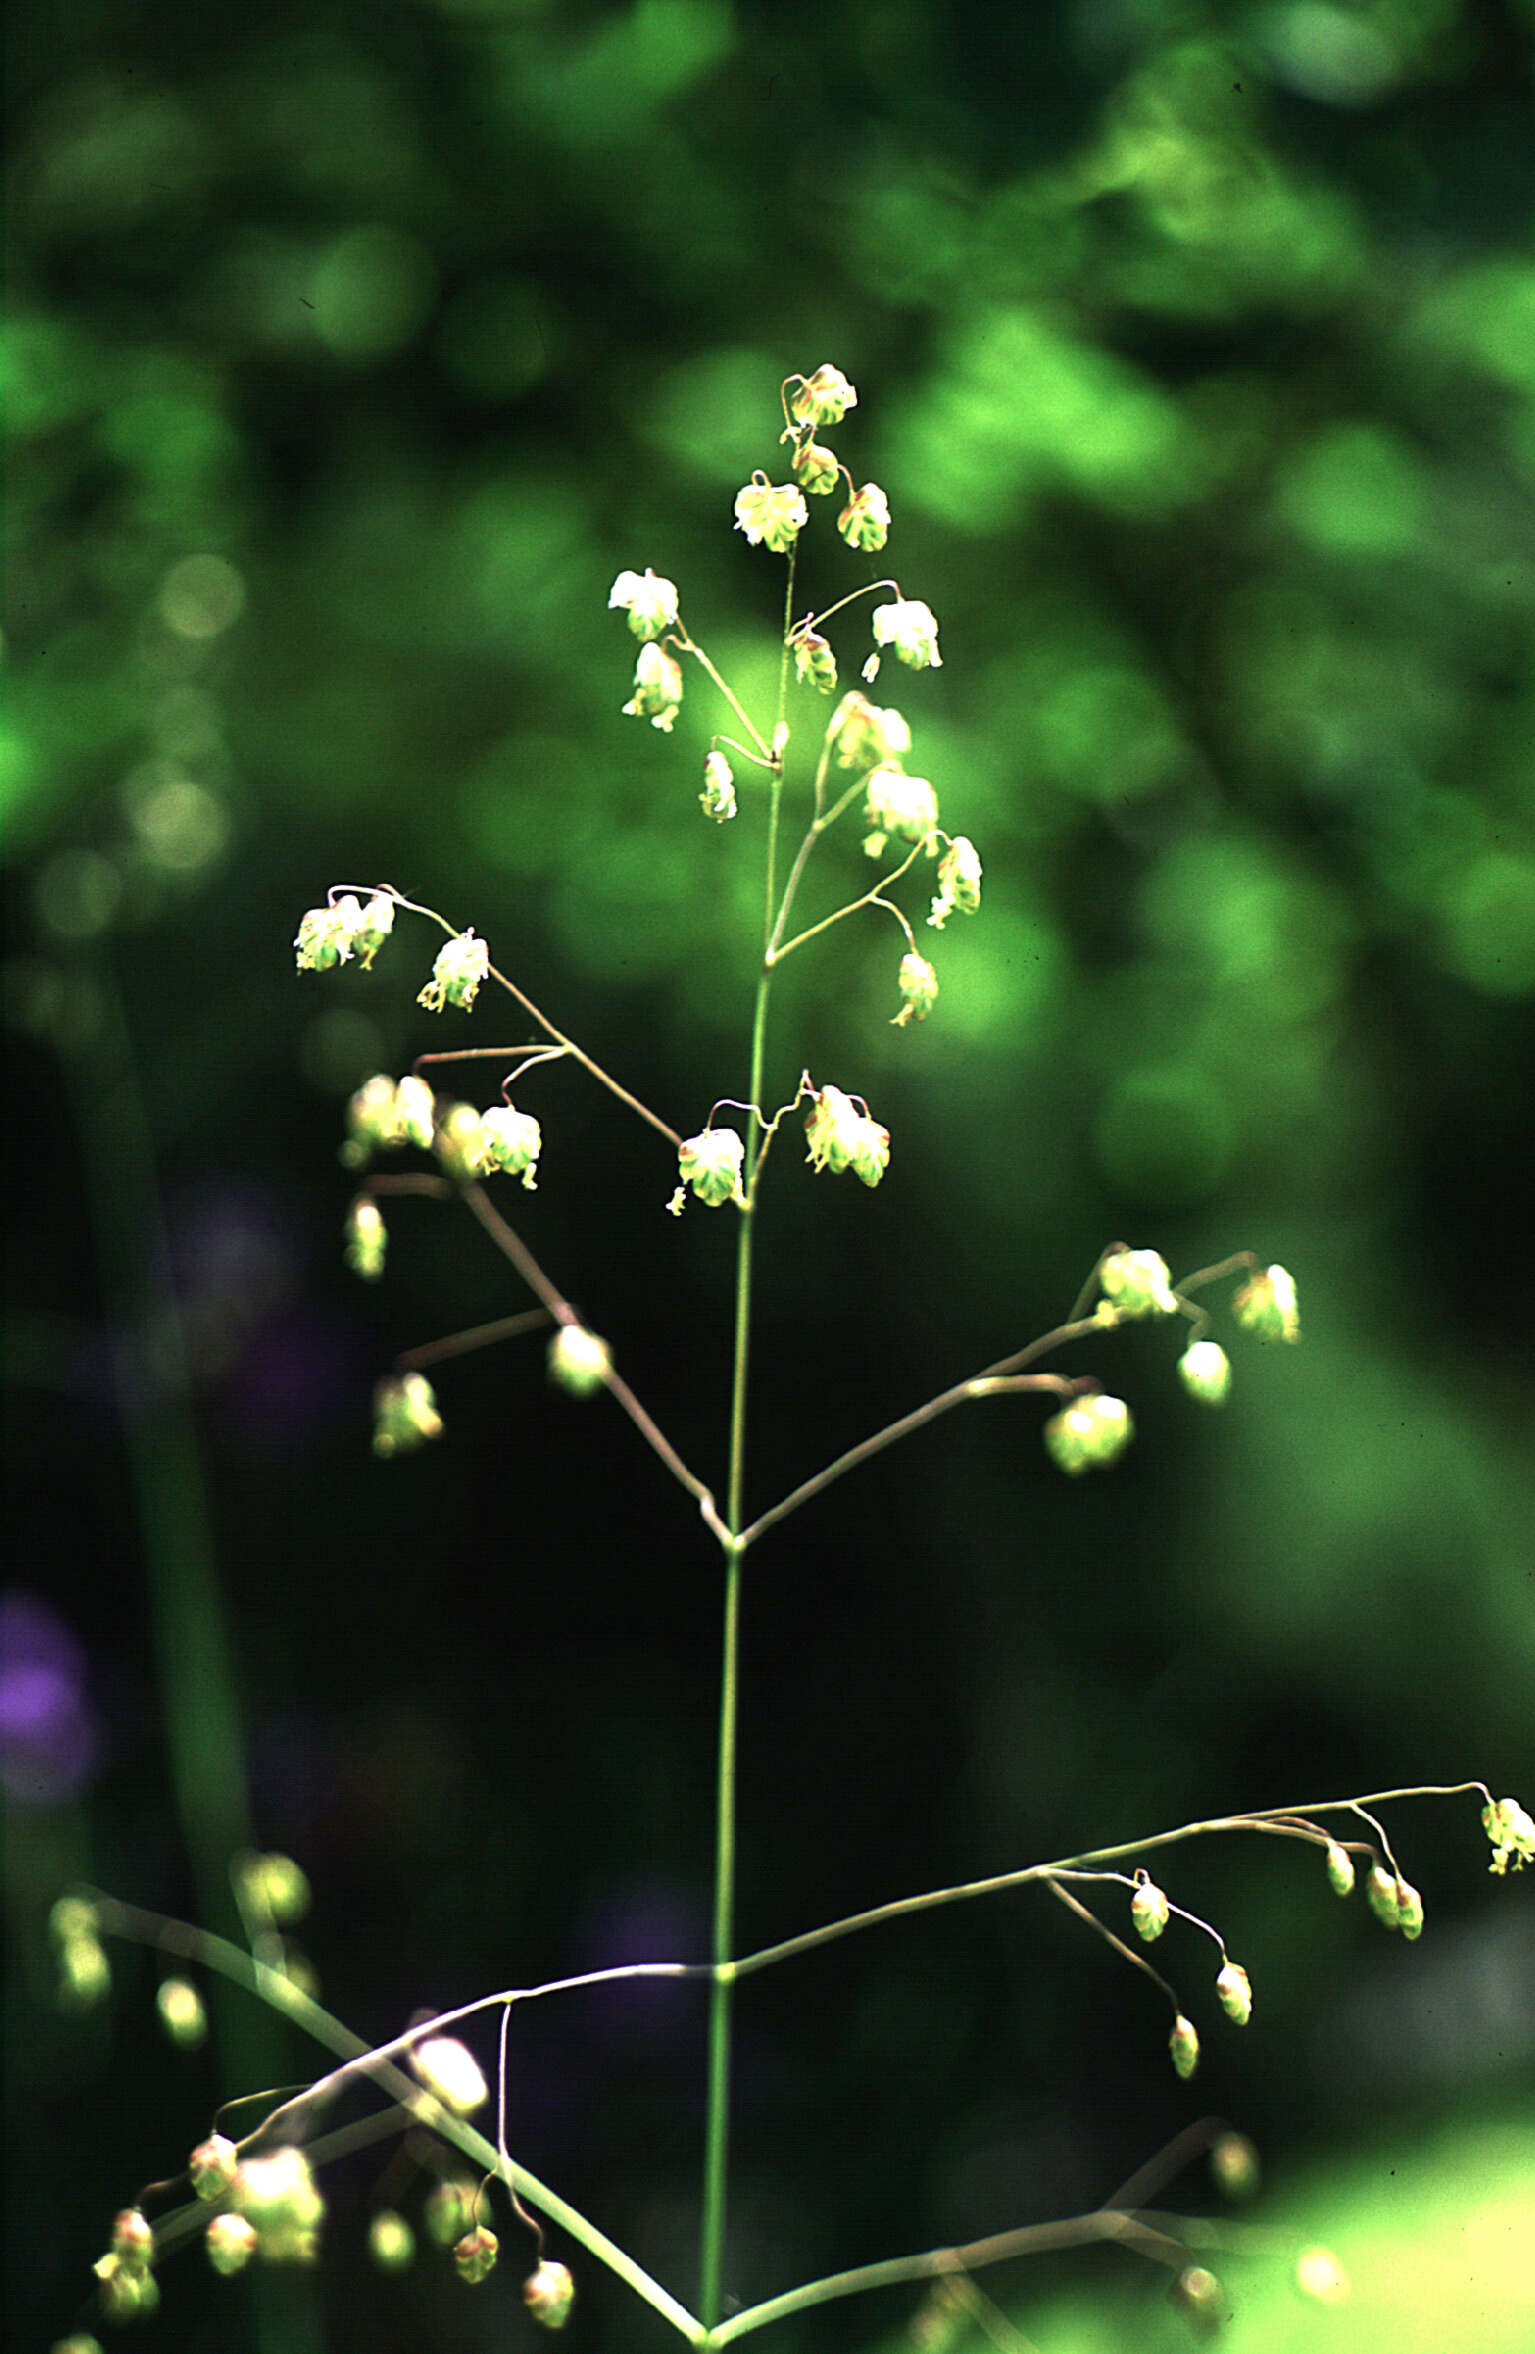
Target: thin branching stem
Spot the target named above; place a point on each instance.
(550, 1029)
(819, 824)
(968, 2296)
(510, 1242)
(377, 2064)
(511, 1245)
(1163, 2239)
(485, 1054)
(1128, 1953)
(990, 1382)
(867, 899)
(1203, 1275)
(420, 1181)
(1033, 2239)
(473, 1336)
(1279, 1821)
(685, 644)
(871, 588)
(1169, 2162)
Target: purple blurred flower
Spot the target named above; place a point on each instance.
(48, 1731)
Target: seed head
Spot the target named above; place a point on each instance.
(657, 689)
(231, 2242)
(391, 2242)
(548, 2294)
(405, 1414)
(1234, 1988)
(772, 515)
(182, 2014)
(460, 966)
(1149, 1910)
(718, 798)
(511, 1141)
(649, 601)
(1138, 1283)
(1205, 1372)
(1266, 1305)
(865, 521)
(1511, 1832)
(213, 2166)
(450, 2073)
(918, 985)
(959, 882)
(578, 1361)
(711, 1164)
(475, 2254)
(1340, 1869)
(912, 629)
(823, 398)
(1089, 1433)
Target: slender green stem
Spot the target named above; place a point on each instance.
(721, 1993)
(813, 832)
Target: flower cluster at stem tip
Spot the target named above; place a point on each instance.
(898, 807)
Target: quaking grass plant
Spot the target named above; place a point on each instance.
(258, 2194)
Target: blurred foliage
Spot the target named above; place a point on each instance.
(1425, 2269)
(349, 354)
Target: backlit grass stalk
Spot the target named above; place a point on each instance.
(432, 2079)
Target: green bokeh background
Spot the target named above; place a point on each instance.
(349, 353)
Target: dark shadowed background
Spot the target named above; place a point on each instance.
(351, 351)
